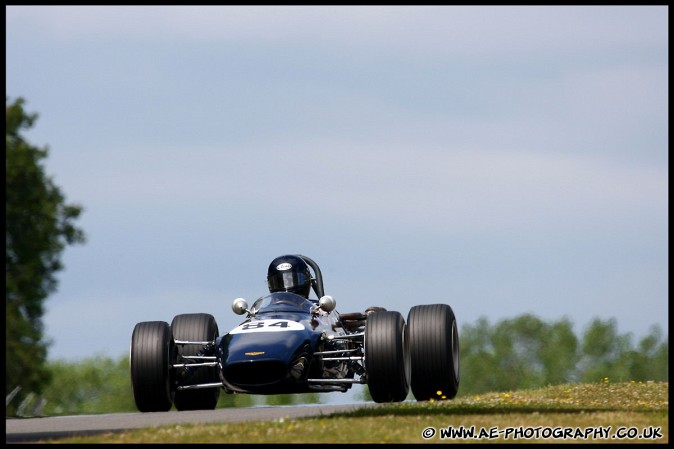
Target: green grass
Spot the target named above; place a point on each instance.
(629, 406)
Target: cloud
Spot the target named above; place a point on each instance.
(107, 318)
(501, 159)
(407, 184)
(433, 30)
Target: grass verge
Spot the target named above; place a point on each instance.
(629, 412)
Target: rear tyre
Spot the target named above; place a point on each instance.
(387, 357)
(434, 351)
(151, 382)
(195, 327)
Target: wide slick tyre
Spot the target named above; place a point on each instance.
(387, 357)
(150, 360)
(434, 352)
(195, 327)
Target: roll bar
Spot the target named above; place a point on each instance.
(317, 283)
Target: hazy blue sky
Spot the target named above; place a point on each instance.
(503, 160)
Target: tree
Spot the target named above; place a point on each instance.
(603, 352)
(478, 362)
(39, 224)
(97, 384)
(522, 352)
(525, 352)
(559, 353)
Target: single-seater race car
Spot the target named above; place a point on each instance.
(289, 343)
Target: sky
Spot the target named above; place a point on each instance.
(504, 160)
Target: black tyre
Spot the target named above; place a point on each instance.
(150, 358)
(434, 351)
(195, 327)
(387, 357)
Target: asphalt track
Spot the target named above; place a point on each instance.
(26, 430)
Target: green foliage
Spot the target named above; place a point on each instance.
(250, 400)
(525, 352)
(93, 385)
(607, 354)
(39, 224)
(291, 399)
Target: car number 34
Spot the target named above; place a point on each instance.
(267, 326)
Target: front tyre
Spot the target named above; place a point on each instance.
(434, 351)
(151, 348)
(195, 327)
(386, 357)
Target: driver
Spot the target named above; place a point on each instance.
(289, 273)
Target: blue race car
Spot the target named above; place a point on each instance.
(290, 343)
